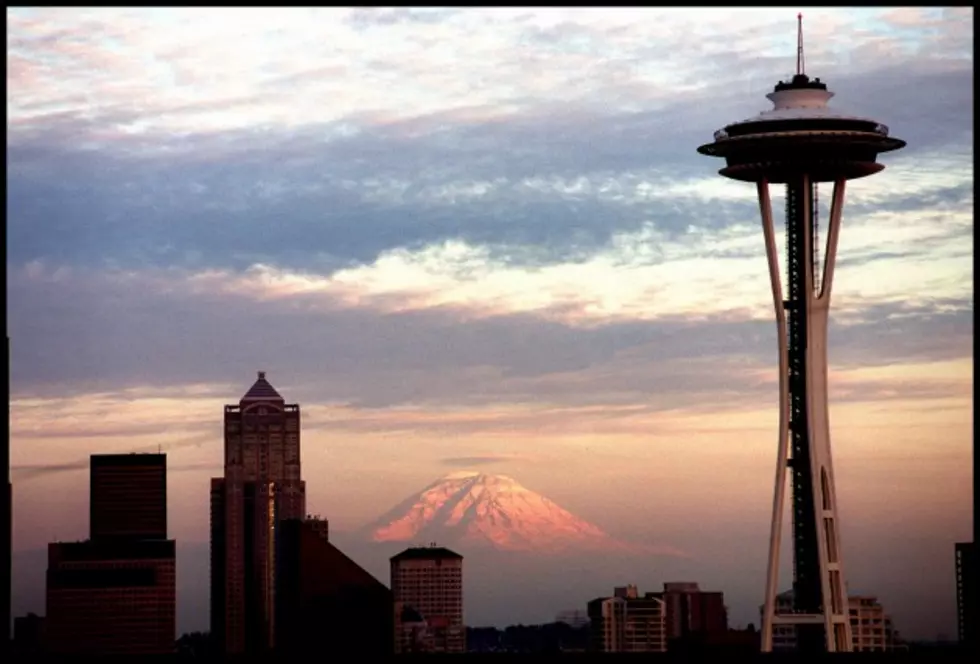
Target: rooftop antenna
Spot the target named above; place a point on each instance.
(800, 62)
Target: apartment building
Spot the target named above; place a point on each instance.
(627, 622)
(871, 629)
(427, 584)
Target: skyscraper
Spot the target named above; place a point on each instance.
(261, 486)
(128, 496)
(429, 582)
(115, 593)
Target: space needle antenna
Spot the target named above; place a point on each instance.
(800, 62)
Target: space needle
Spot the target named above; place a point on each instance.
(801, 142)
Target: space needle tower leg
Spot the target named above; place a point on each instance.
(772, 575)
(820, 612)
(837, 626)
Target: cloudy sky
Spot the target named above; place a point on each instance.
(483, 238)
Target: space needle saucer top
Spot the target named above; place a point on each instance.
(801, 133)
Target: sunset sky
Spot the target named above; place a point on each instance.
(483, 239)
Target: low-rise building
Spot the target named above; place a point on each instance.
(627, 622)
(871, 628)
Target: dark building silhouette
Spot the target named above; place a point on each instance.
(195, 644)
(326, 600)
(746, 642)
(128, 496)
(693, 615)
(217, 567)
(6, 522)
(260, 487)
(28, 634)
(115, 593)
(429, 582)
(541, 639)
(111, 598)
(966, 594)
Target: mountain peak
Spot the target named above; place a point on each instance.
(461, 475)
(468, 508)
(476, 480)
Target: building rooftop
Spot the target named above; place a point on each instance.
(110, 550)
(134, 459)
(306, 541)
(426, 553)
(261, 390)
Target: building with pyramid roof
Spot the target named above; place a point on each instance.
(262, 390)
(261, 487)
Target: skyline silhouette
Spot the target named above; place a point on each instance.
(486, 249)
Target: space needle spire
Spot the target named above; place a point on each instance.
(799, 143)
(800, 62)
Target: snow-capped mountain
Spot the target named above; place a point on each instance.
(473, 509)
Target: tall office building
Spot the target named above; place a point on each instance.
(261, 486)
(966, 594)
(115, 593)
(128, 496)
(428, 582)
(627, 622)
(325, 602)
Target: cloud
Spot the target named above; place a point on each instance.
(150, 62)
(84, 332)
(87, 427)
(655, 270)
(463, 462)
(24, 473)
(535, 182)
(520, 171)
